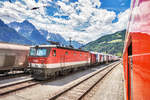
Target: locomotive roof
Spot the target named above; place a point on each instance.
(57, 46)
(9, 46)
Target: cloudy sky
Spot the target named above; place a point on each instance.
(83, 20)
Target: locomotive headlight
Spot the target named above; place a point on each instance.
(29, 64)
(35, 60)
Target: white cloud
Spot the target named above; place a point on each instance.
(122, 20)
(82, 15)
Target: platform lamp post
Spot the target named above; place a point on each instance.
(70, 42)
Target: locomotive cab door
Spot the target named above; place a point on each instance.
(62, 60)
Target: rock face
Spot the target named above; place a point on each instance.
(29, 31)
(53, 37)
(10, 35)
(112, 43)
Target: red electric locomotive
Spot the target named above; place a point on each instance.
(136, 57)
(50, 60)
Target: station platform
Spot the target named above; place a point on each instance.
(110, 88)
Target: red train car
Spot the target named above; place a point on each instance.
(93, 58)
(136, 57)
(98, 57)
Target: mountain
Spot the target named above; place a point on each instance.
(29, 31)
(41, 36)
(58, 38)
(44, 33)
(75, 44)
(8, 34)
(112, 43)
(53, 37)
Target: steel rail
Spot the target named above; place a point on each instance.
(57, 95)
(17, 86)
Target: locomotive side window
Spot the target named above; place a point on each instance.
(80, 54)
(66, 52)
(54, 52)
(74, 53)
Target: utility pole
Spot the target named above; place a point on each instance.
(81, 42)
(70, 42)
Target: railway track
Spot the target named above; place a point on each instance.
(16, 86)
(78, 90)
(9, 76)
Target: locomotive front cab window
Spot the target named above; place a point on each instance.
(54, 52)
(39, 52)
(32, 52)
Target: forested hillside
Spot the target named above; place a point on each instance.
(112, 43)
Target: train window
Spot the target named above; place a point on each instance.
(32, 52)
(54, 52)
(74, 53)
(80, 54)
(66, 53)
(39, 52)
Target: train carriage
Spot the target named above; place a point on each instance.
(136, 55)
(13, 57)
(94, 57)
(101, 57)
(105, 58)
